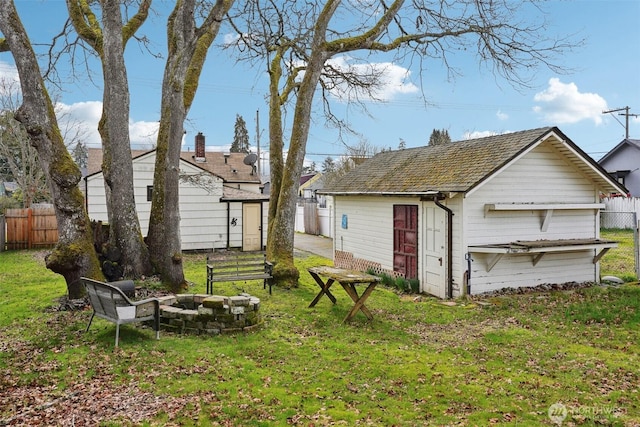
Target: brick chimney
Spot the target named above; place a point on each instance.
(200, 146)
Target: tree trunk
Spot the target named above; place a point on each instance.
(187, 50)
(74, 255)
(282, 217)
(280, 228)
(282, 224)
(163, 237)
(125, 230)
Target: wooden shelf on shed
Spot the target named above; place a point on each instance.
(538, 248)
(547, 208)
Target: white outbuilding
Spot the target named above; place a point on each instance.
(512, 210)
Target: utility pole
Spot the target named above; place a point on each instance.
(258, 142)
(626, 114)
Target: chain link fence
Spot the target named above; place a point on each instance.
(623, 261)
(618, 220)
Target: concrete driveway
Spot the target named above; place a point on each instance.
(317, 245)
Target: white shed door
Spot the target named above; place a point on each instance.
(251, 228)
(434, 272)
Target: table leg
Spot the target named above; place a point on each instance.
(359, 301)
(324, 289)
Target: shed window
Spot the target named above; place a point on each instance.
(149, 193)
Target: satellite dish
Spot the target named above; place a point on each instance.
(250, 159)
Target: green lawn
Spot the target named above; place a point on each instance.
(619, 261)
(419, 362)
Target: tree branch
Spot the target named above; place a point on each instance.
(134, 24)
(86, 23)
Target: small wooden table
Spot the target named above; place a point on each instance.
(348, 279)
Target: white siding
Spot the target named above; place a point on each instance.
(203, 223)
(369, 232)
(459, 265)
(515, 271)
(541, 176)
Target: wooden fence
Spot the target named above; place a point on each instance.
(2, 230)
(30, 228)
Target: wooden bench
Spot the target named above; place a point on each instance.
(231, 266)
(110, 303)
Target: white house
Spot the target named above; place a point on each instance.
(221, 203)
(512, 210)
(622, 163)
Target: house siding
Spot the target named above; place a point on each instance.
(541, 176)
(625, 158)
(458, 251)
(369, 232)
(203, 218)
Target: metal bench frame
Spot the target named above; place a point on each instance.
(231, 266)
(110, 303)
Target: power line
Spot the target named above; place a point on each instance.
(626, 114)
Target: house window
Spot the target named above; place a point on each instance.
(149, 193)
(621, 175)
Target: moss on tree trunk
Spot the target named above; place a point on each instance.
(74, 255)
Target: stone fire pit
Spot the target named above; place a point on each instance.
(209, 314)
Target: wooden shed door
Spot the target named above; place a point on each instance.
(405, 240)
(434, 274)
(251, 229)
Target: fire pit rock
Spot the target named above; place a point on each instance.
(209, 314)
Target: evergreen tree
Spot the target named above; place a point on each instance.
(240, 137)
(80, 155)
(439, 137)
(328, 165)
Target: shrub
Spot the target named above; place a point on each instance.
(8, 203)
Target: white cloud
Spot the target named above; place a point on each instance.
(81, 118)
(502, 116)
(9, 80)
(230, 39)
(8, 72)
(563, 103)
(144, 134)
(391, 80)
(482, 134)
(478, 134)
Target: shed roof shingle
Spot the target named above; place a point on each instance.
(453, 167)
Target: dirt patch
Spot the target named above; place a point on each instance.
(87, 404)
(459, 333)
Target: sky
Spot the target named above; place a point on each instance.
(604, 75)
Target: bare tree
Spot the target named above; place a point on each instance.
(188, 45)
(109, 41)
(353, 156)
(297, 41)
(19, 156)
(74, 255)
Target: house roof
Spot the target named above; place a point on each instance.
(309, 181)
(231, 194)
(634, 143)
(228, 166)
(459, 166)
